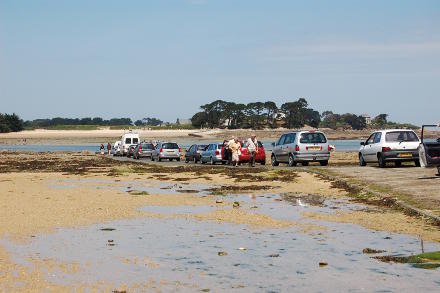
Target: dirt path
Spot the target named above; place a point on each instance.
(416, 186)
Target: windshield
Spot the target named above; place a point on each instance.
(147, 146)
(170, 146)
(398, 136)
(312, 138)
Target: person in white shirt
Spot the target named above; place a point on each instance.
(252, 146)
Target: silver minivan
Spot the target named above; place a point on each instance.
(166, 150)
(301, 147)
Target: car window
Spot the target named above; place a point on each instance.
(288, 139)
(260, 145)
(281, 140)
(201, 147)
(292, 137)
(147, 146)
(128, 140)
(170, 146)
(377, 137)
(219, 146)
(398, 136)
(135, 140)
(370, 139)
(312, 137)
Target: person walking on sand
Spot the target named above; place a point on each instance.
(109, 148)
(230, 151)
(252, 146)
(235, 147)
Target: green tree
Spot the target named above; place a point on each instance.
(199, 119)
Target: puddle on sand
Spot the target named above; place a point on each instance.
(190, 252)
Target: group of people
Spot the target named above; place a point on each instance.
(102, 149)
(232, 150)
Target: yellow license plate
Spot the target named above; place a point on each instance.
(405, 155)
(314, 148)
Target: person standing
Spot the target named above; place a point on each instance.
(230, 151)
(252, 146)
(235, 148)
(109, 148)
(102, 149)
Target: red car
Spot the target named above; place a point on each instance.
(245, 156)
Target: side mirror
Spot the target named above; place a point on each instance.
(362, 143)
(273, 144)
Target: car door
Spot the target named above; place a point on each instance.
(279, 147)
(287, 149)
(376, 147)
(367, 151)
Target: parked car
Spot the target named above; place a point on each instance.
(117, 148)
(131, 150)
(193, 153)
(143, 150)
(429, 151)
(212, 154)
(127, 140)
(260, 156)
(393, 145)
(301, 147)
(166, 150)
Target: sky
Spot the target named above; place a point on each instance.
(166, 58)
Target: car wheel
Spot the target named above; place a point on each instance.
(398, 164)
(212, 161)
(291, 162)
(201, 161)
(223, 162)
(417, 163)
(263, 162)
(178, 159)
(274, 161)
(381, 161)
(362, 161)
(323, 163)
(305, 163)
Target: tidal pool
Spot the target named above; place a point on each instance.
(191, 255)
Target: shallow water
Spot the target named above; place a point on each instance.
(184, 254)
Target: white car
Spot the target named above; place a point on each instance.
(117, 148)
(391, 145)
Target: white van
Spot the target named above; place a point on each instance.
(127, 140)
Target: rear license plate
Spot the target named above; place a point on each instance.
(171, 151)
(405, 155)
(314, 148)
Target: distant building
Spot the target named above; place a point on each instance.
(184, 121)
(367, 118)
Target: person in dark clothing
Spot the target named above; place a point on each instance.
(109, 148)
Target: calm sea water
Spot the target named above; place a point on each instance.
(340, 145)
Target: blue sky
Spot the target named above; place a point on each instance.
(165, 58)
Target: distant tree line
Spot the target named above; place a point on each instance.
(256, 115)
(10, 123)
(42, 123)
(148, 122)
(296, 114)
